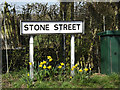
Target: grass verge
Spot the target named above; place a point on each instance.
(20, 80)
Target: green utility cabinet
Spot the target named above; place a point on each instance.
(110, 51)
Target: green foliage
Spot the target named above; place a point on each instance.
(21, 80)
(86, 45)
(26, 80)
(103, 81)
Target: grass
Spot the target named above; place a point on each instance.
(20, 80)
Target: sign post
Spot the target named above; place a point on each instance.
(64, 49)
(51, 27)
(72, 53)
(31, 51)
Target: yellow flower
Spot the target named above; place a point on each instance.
(49, 67)
(50, 60)
(59, 67)
(76, 65)
(40, 65)
(73, 67)
(48, 57)
(44, 67)
(30, 63)
(44, 62)
(80, 70)
(62, 64)
(28, 74)
(70, 77)
(90, 69)
(86, 69)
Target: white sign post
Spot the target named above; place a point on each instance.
(31, 51)
(72, 53)
(51, 27)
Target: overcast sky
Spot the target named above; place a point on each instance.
(2, 1)
(23, 2)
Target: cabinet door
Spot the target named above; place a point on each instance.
(114, 51)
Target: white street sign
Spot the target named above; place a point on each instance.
(45, 27)
(51, 27)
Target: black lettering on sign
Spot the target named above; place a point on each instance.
(26, 27)
(74, 27)
(78, 26)
(36, 27)
(69, 27)
(55, 27)
(31, 26)
(47, 26)
(42, 27)
(65, 27)
(60, 26)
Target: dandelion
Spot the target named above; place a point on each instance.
(70, 77)
(48, 57)
(59, 67)
(40, 65)
(28, 75)
(50, 60)
(49, 67)
(73, 67)
(80, 70)
(62, 64)
(86, 69)
(44, 62)
(44, 67)
(76, 65)
(30, 63)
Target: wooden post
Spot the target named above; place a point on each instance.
(31, 50)
(72, 53)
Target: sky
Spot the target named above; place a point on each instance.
(29, 1)
(54, 1)
(19, 3)
(23, 2)
(50, 2)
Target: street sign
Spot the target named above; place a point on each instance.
(50, 27)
